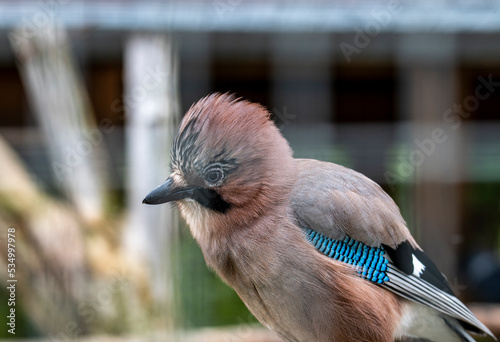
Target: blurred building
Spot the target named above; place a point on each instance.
(406, 92)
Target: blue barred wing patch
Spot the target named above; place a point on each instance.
(368, 261)
(371, 264)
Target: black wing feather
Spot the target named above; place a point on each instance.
(403, 257)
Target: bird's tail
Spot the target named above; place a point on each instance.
(458, 329)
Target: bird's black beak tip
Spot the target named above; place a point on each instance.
(166, 192)
(150, 200)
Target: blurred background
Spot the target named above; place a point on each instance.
(91, 92)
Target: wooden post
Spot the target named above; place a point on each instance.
(151, 100)
(59, 100)
(427, 68)
(72, 278)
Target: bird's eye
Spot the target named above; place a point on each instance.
(214, 176)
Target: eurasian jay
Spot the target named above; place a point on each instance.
(317, 252)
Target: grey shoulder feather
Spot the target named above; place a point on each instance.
(338, 201)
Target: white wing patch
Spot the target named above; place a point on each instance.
(418, 267)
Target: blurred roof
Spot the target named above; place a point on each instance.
(258, 15)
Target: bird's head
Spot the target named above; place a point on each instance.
(229, 161)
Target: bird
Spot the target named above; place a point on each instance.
(316, 251)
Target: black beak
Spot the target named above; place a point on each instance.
(167, 192)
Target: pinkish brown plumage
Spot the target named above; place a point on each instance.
(250, 206)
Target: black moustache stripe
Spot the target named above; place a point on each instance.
(211, 199)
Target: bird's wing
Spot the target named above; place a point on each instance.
(348, 217)
(372, 264)
(340, 202)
